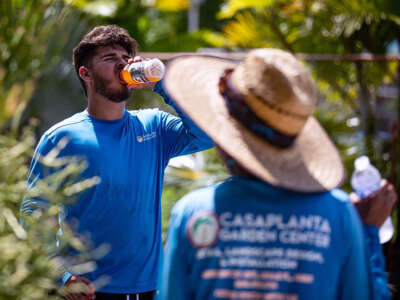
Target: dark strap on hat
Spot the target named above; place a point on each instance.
(239, 109)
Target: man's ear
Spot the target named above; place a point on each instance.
(84, 73)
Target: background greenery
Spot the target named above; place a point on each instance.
(38, 83)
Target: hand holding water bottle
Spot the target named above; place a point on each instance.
(142, 73)
(375, 208)
(377, 197)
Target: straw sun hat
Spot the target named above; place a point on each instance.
(259, 112)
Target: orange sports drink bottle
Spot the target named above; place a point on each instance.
(143, 71)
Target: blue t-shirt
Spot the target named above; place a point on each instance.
(245, 239)
(123, 211)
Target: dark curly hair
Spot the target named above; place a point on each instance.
(101, 36)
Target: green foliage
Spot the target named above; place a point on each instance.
(29, 268)
(96, 7)
(154, 29)
(175, 6)
(187, 174)
(204, 169)
(329, 26)
(233, 6)
(33, 35)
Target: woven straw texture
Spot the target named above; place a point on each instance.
(268, 80)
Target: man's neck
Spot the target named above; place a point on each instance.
(101, 108)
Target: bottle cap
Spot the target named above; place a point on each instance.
(361, 163)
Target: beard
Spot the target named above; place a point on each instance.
(115, 95)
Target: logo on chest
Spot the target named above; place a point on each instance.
(202, 229)
(146, 137)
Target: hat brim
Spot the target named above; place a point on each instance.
(311, 164)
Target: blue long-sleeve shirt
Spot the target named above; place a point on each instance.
(377, 265)
(123, 211)
(245, 239)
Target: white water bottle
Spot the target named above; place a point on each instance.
(365, 180)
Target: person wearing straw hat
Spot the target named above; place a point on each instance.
(279, 228)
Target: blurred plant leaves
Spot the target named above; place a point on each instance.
(30, 265)
(233, 6)
(103, 8)
(187, 173)
(175, 5)
(33, 35)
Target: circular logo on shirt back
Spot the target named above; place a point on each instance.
(202, 229)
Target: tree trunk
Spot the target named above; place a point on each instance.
(367, 118)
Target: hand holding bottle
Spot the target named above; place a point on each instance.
(78, 288)
(142, 73)
(374, 199)
(375, 208)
